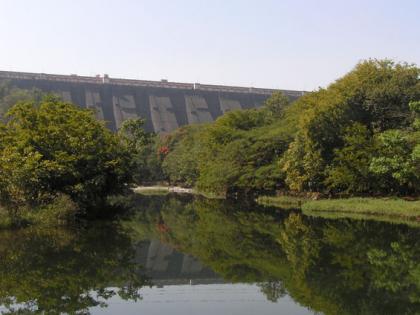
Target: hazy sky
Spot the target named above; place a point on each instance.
(290, 44)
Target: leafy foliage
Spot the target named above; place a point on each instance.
(350, 169)
(145, 162)
(235, 154)
(58, 148)
(179, 153)
(276, 104)
(358, 136)
(376, 95)
(10, 95)
(396, 161)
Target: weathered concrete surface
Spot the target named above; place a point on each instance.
(164, 105)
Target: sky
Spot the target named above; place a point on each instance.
(286, 44)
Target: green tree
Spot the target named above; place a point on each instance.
(375, 94)
(415, 108)
(180, 160)
(145, 163)
(276, 104)
(133, 133)
(10, 95)
(396, 162)
(324, 141)
(349, 171)
(58, 148)
(244, 146)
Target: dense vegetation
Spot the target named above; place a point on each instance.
(358, 136)
(361, 135)
(10, 95)
(55, 153)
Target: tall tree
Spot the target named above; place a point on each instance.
(59, 148)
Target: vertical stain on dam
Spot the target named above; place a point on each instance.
(165, 105)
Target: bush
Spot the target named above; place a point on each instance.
(55, 149)
(335, 140)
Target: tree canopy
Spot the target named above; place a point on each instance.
(54, 148)
(360, 135)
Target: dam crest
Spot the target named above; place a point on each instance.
(165, 105)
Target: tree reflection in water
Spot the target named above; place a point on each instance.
(66, 271)
(330, 266)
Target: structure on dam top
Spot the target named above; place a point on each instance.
(165, 105)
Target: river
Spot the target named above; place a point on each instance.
(179, 254)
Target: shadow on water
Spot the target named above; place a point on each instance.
(329, 266)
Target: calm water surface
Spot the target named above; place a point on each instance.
(179, 255)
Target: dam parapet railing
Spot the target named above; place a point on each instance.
(100, 80)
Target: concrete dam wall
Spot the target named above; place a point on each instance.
(165, 105)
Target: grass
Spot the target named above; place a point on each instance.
(284, 202)
(369, 206)
(381, 209)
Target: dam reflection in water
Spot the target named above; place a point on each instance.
(166, 266)
(185, 255)
(181, 284)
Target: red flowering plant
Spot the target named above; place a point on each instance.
(162, 227)
(163, 151)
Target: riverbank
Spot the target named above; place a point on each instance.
(162, 190)
(390, 208)
(383, 209)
